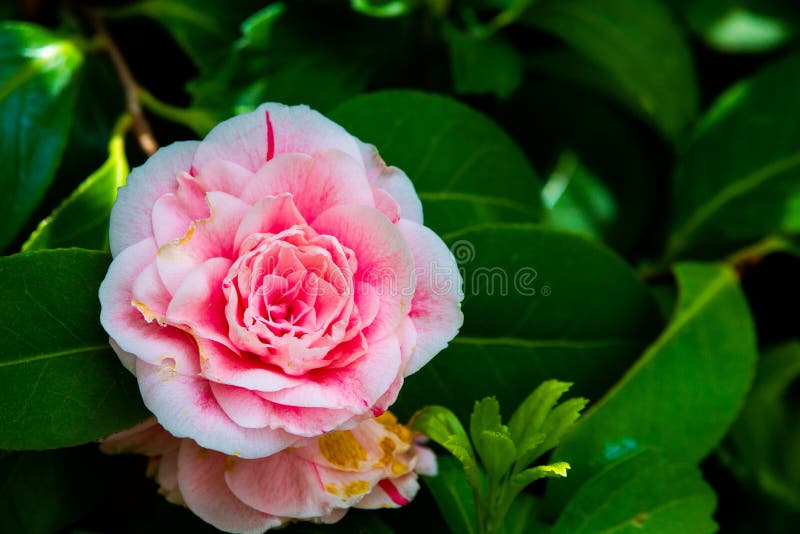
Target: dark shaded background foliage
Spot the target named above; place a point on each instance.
(539, 93)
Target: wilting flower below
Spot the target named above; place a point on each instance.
(374, 465)
(273, 282)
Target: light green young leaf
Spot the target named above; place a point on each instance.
(81, 220)
(497, 452)
(558, 422)
(485, 416)
(530, 416)
(532, 474)
(459, 446)
(438, 423)
(383, 9)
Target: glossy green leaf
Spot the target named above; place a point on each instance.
(685, 390)
(739, 180)
(638, 44)
(82, 218)
(762, 446)
(284, 54)
(453, 495)
(483, 64)
(644, 493)
(60, 382)
(37, 91)
(742, 26)
(455, 156)
(560, 287)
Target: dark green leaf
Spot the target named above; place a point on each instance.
(763, 443)
(455, 156)
(560, 287)
(203, 29)
(82, 219)
(638, 44)
(453, 495)
(644, 493)
(685, 390)
(60, 382)
(742, 25)
(522, 517)
(740, 177)
(37, 90)
(483, 64)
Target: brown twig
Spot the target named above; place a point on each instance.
(141, 128)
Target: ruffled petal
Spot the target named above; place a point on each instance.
(436, 306)
(131, 214)
(201, 478)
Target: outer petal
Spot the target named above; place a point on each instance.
(130, 216)
(186, 407)
(224, 176)
(385, 261)
(220, 364)
(243, 406)
(326, 179)
(126, 324)
(391, 493)
(436, 307)
(355, 387)
(251, 139)
(393, 181)
(148, 437)
(282, 484)
(201, 478)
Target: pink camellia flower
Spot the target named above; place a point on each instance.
(375, 465)
(273, 282)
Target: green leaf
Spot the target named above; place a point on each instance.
(529, 417)
(644, 493)
(522, 517)
(685, 390)
(523, 478)
(285, 55)
(559, 287)
(739, 179)
(497, 452)
(453, 495)
(485, 416)
(82, 218)
(449, 151)
(762, 445)
(576, 200)
(742, 26)
(638, 44)
(483, 64)
(60, 382)
(203, 29)
(383, 8)
(37, 91)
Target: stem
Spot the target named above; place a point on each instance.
(198, 120)
(130, 87)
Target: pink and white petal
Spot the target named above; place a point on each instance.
(170, 220)
(186, 407)
(386, 204)
(205, 239)
(307, 422)
(282, 484)
(243, 406)
(126, 324)
(199, 304)
(436, 306)
(385, 262)
(127, 359)
(131, 214)
(334, 517)
(224, 176)
(355, 388)
(391, 493)
(201, 478)
(220, 364)
(328, 179)
(251, 139)
(346, 487)
(270, 214)
(149, 295)
(167, 477)
(392, 180)
(148, 438)
(426, 461)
